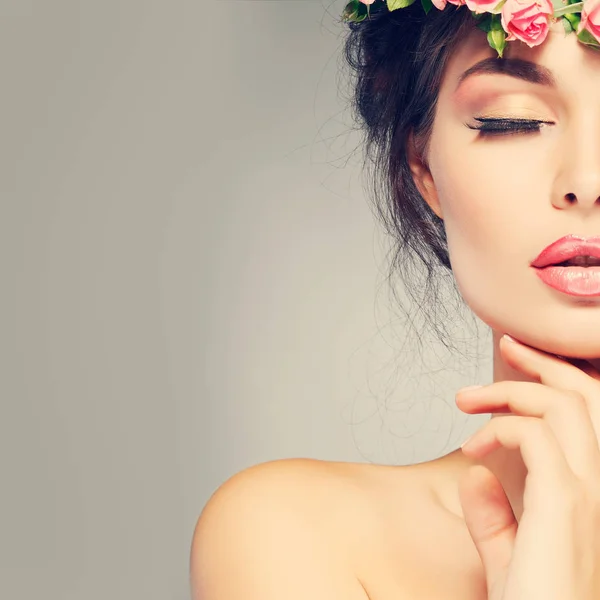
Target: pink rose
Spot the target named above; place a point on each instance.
(367, 1)
(441, 4)
(526, 20)
(590, 18)
(481, 6)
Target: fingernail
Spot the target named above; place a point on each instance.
(510, 339)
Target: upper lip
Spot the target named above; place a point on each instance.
(567, 247)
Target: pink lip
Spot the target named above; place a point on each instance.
(566, 248)
(575, 281)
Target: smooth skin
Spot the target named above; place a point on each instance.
(553, 551)
(520, 520)
(273, 532)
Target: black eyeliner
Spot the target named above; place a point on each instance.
(498, 125)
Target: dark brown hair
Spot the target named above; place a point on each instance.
(397, 60)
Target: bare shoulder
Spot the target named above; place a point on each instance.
(322, 492)
(294, 520)
(302, 528)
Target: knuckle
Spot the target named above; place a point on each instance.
(541, 429)
(576, 401)
(542, 432)
(525, 428)
(586, 500)
(577, 397)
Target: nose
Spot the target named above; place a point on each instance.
(578, 181)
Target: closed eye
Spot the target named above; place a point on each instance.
(490, 126)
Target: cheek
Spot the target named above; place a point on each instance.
(496, 200)
(489, 216)
(472, 198)
(492, 195)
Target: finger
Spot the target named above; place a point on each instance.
(554, 372)
(491, 523)
(581, 363)
(549, 369)
(565, 412)
(549, 477)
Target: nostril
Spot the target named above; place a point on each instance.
(571, 197)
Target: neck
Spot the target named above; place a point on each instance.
(507, 465)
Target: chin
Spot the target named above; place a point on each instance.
(564, 344)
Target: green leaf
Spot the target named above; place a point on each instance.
(498, 7)
(351, 17)
(586, 37)
(485, 22)
(356, 11)
(567, 25)
(496, 23)
(574, 7)
(496, 35)
(351, 10)
(573, 19)
(427, 5)
(395, 4)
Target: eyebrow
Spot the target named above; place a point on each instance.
(515, 67)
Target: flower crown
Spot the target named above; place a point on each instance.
(505, 20)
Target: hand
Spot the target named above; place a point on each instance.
(553, 553)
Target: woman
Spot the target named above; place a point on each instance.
(485, 127)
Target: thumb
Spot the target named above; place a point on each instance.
(491, 523)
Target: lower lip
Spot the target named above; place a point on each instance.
(577, 281)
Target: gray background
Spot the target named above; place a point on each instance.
(193, 283)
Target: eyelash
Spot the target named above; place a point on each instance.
(500, 126)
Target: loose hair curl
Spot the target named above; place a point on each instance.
(397, 60)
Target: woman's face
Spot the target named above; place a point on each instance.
(505, 197)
